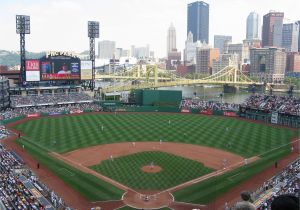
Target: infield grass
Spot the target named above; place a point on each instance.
(175, 170)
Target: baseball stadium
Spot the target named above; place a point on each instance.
(77, 135)
(160, 152)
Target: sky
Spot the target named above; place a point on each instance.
(61, 25)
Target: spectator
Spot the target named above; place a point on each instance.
(245, 204)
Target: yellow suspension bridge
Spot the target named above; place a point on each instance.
(229, 75)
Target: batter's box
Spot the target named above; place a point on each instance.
(66, 172)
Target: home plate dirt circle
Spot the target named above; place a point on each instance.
(147, 200)
(151, 169)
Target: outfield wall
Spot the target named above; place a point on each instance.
(281, 119)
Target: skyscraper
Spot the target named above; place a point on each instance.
(198, 21)
(106, 49)
(171, 39)
(268, 64)
(252, 26)
(272, 29)
(204, 59)
(190, 49)
(298, 22)
(290, 34)
(219, 41)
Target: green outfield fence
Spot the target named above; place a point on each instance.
(148, 109)
(283, 119)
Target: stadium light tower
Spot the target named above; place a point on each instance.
(22, 28)
(93, 32)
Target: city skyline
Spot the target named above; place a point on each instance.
(62, 25)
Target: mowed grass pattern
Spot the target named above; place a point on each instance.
(67, 133)
(175, 170)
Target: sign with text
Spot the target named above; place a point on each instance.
(32, 68)
(206, 112)
(274, 118)
(230, 114)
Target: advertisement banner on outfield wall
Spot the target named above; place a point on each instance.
(33, 115)
(274, 117)
(230, 114)
(206, 112)
(185, 110)
(76, 111)
(86, 70)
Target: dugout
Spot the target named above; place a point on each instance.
(156, 97)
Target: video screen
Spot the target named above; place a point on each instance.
(60, 68)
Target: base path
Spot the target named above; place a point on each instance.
(210, 157)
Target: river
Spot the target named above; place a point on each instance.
(208, 92)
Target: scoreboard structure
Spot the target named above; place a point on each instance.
(59, 66)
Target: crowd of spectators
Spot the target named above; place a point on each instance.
(23, 111)
(3, 132)
(286, 183)
(13, 192)
(204, 105)
(269, 103)
(34, 100)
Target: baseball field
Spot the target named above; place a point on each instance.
(103, 155)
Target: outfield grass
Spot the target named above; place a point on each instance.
(66, 133)
(175, 170)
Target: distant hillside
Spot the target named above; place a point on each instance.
(10, 58)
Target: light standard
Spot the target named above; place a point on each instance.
(22, 28)
(93, 32)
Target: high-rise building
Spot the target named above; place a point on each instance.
(204, 59)
(293, 62)
(106, 49)
(132, 51)
(272, 29)
(190, 50)
(242, 50)
(224, 61)
(174, 59)
(171, 39)
(125, 53)
(298, 22)
(290, 33)
(118, 53)
(268, 64)
(140, 52)
(253, 22)
(252, 43)
(220, 40)
(198, 21)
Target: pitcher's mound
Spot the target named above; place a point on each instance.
(151, 169)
